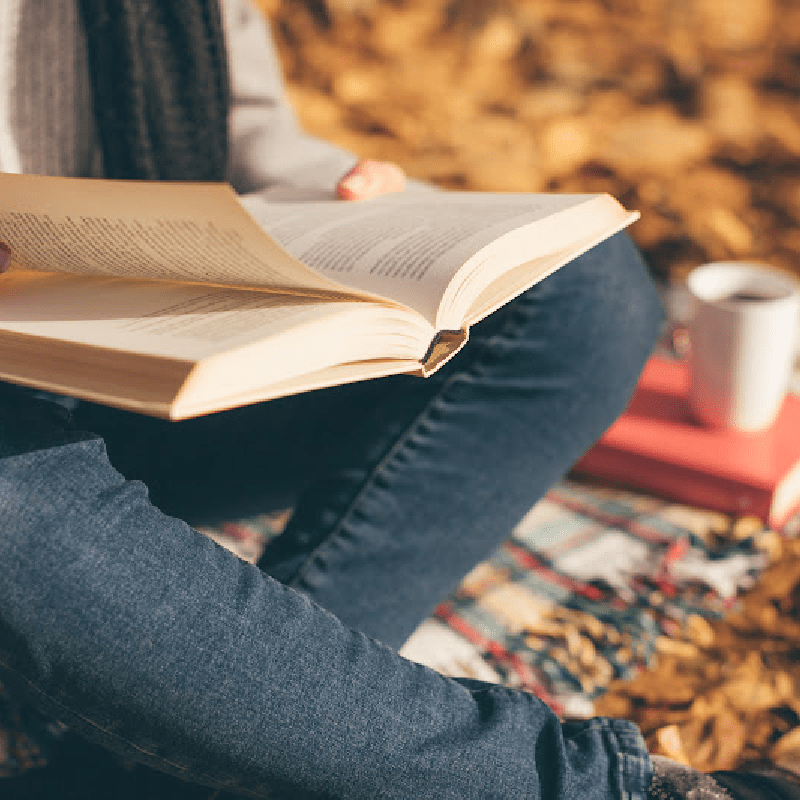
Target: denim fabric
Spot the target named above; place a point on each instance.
(279, 680)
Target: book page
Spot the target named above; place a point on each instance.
(522, 258)
(407, 246)
(145, 230)
(192, 322)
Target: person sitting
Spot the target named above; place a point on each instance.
(282, 679)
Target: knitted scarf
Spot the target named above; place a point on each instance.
(160, 87)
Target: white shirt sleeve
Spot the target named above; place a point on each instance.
(268, 149)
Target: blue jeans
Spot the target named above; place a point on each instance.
(282, 680)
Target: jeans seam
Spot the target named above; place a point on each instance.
(184, 770)
(511, 326)
(624, 753)
(344, 519)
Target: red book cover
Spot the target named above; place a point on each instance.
(657, 446)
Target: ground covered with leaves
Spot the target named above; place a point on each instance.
(680, 108)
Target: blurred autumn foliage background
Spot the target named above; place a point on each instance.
(684, 109)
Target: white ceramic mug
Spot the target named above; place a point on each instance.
(743, 329)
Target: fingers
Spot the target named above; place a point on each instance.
(5, 257)
(370, 178)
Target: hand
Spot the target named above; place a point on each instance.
(5, 257)
(370, 178)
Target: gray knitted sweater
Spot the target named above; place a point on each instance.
(46, 121)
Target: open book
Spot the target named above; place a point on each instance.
(177, 300)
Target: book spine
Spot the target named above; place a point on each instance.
(443, 347)
(681, 484)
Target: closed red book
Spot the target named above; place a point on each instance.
(657, 446)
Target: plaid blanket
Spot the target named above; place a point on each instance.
(588, 588)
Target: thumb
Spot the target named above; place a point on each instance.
(370, 178)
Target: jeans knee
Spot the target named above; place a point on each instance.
(620, 307)
(49, 501)
(602, 316)
(641, 315)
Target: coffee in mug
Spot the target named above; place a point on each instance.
(743, 329)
